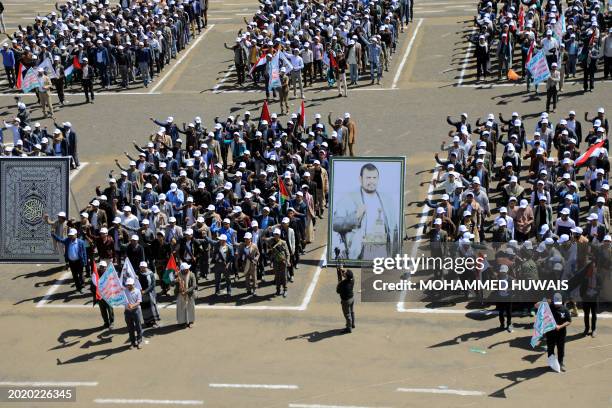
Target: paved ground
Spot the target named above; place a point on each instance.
(397, 356)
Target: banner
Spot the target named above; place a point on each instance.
(48, 67)
(559, 28)
(110, 288)
(31, 187)
(29, 81)
(128, 272)
(538, 68)
(545, 322)
(274, 72)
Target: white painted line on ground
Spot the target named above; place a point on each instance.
(177, 63)
(313, 282)
(483, 312)
(227, 74)
(48, 383)
(327, 406)
(302, 307)
(400, 68)
(262, 386)
(147, 401)
(420, 229)
(66, 274)
(82, 94)
(442, 391)
(466, 59)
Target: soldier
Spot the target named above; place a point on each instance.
(279, 253)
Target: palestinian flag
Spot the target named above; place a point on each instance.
(302, 115)
(261, 61)
(265, 113)
(283, 194)
(69, 72)
(20, 75)
(530, 52)
(171, 271)
(592, 151)
(95, 277)
(76, 63)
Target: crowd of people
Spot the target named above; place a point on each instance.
(113, 44)
(318, 41)
(233, 204)
(571, 36)
(520, 191)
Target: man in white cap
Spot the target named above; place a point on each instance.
(185, 287)
(108, 315)
(504, 300)
(43, 87)
(222, 256)
(552, 87)
(556, 337)
(281, 259)
(602, 211)
(75, 255)
(59, 226)
(87, 77)
(248, 259)
(132, 313)
(150, 314)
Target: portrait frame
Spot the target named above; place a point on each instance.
(340, 183)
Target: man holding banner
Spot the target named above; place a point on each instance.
(108, 315)
(552, 321)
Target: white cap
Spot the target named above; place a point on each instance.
(276, 231)
(134, 237)
(143, 263)
(222, 237)
(129, 281)
(565, 211)
(72, 232)
(248, 235)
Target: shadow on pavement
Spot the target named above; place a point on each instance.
(316, 336)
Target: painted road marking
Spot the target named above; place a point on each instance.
(262, 386)
(442, 391)
(400, 68)
(147, 401)
(177, 63)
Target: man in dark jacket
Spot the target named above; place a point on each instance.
(345, 290)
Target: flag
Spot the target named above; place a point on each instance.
(265, 113)
(538, 67)
(261, 61)
(530, 52)
(95, 279)
(128, 272)
(286, 63)
(48, 67)
(512, 75)
(69, 72)
(521, 18)
(76, 62)
(111, 289)
(283, 194)
(170, 271)
(329, 60)
(545, 322)
(302, 115)
(274, 72)
(19, 76)
(593, 150)
(29, 81)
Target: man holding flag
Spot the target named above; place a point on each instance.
(555, 332)
(108, 315)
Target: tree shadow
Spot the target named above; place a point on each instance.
(317, 336)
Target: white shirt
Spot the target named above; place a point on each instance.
(297, 62)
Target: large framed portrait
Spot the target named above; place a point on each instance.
(29, 188)
(366, 209)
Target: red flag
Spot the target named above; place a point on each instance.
(521, 18)
(265, 113)
(76, 63)
(591, 151)
(530, 52)
(19, 76)
(282, 192)
(261, 61)
(97, 279)
(332, 61)
(302, 115)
